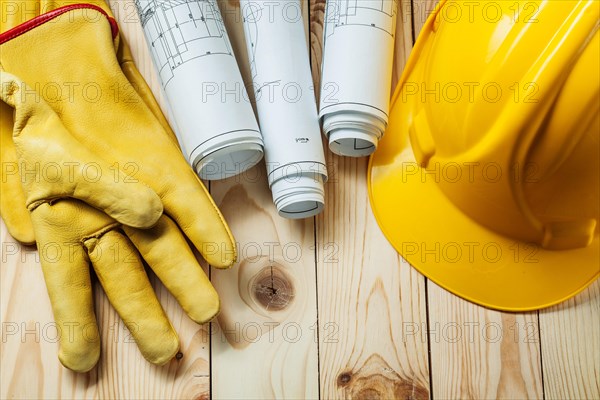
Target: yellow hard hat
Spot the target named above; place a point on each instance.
(488, 178)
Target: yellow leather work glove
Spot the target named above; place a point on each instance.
(78, 49)
(54, 170)
(55, 164)
(12, 201)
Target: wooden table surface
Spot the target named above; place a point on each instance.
(322, 307)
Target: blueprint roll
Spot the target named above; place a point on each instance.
(357, 73)
(215, 123)
(285, 101)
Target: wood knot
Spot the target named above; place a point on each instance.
(179, 355)
(272, 289)
(344, 378)
(375, 380)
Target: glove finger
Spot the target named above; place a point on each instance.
(207, 229)
(66, 272)
(166, 251)
(122, 275)
(12, 201)
(55, 165)
(202, 229)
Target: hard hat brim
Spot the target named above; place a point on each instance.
(457, 253)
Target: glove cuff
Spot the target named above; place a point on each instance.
(42, 19)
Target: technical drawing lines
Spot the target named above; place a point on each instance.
(378, 14)
(250, 15)
(182, 30)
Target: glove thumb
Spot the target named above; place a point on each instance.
(54, 165)
(12, 202)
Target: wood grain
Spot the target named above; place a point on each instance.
(264, 345)
(365, 290)
(570, 338)
(265, 339)
(478, 353)
(30, 367)
(404, 39)
(481, 354)
(371, 334)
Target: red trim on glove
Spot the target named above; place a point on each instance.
(42, 19)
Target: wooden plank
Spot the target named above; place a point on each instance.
(570, 335)
(30, 367)
(126, 374)
(371, 303)
(265, 339)
(404, 39)
(373, 330)
(478, 353)
(264, 345)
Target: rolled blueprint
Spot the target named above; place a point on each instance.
(216, 126)
(357, 71)
(285, 101)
